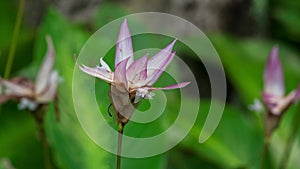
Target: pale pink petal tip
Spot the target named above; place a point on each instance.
(50, 48)
(273, 75)
(157, 67)
(174, 86)
(172, 43)
(124, 45)
(75, 57)
(16, 89)
(52, 88)
(46, 68)
(169, 47)
(297, 95)
(96, 72)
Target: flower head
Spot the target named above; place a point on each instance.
(274, 88)
(132, 79)
(274, 93)
(30, 95)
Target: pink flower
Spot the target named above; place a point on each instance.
(132, 79)
(30, 95)
(274, 89)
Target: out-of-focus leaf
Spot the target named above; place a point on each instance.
(280, 139)
(18, 138)
(182, 158)
(237, 142)
(285, 17)
(288, 22)
(108, 12)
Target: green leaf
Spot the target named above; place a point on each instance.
(18, 138)
(107, 12)
(232, 144)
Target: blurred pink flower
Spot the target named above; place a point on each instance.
(30, 95)
(133, 79)
(274, 89)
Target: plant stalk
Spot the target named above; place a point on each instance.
(13, 45)
(265, 152)
(120, 136)
(39, 116)
(290, 141)
(45, 146)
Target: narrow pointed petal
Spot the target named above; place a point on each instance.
(46, 68)
(50, 92)
(15, 89)
(124, 45)
(97, 72)
(155, 72)
(120, 73)
(273, 75)
(138, 70)
(158, 60)
(297, 94)
(75, 58)
(174, 86)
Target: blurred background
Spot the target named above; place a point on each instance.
(242, 31)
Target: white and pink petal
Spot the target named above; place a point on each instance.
(174, 86)
(97, 72)
(50, 93)
(155, 71)
(124, 48)
(137, 70)
(120, 73)
(46, 68)
(16, 89)
(273, 75)
(158, 63)
(297, 94)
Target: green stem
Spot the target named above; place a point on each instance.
(13, 45)
(45, 146)
(120, 135)
(39, 116)
(290, 142)
(265, 152)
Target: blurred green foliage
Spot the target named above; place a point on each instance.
(285, 17)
